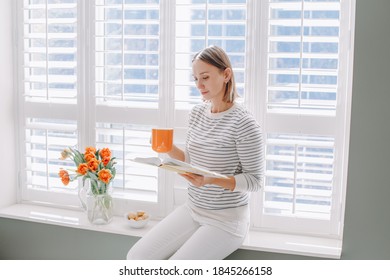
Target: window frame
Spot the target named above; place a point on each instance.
(170, 196)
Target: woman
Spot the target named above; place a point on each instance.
(222, 137)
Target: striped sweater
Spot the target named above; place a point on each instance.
(229, 143)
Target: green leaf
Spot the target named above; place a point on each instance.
(78, 157)
(92, 176)
(84, 178)
(113, 172)
(94, 187)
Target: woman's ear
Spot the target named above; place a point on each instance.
(227, 74)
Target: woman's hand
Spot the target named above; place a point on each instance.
(199, 181)
(196, 180)
(176, 153)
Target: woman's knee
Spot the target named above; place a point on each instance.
(136, 253)
(141, 250)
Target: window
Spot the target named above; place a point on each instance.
(304, 77)
(105, 72)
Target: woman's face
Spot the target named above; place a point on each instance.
(210, 80)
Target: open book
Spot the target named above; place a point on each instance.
(177, 166)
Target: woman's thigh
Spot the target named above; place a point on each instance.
(208, 243)
(166, 237)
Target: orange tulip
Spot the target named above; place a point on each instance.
(90, 150)
(82, 169)
(65, 154)
(106, 160)
(64, 175)
(105, 153)
(65, 180)
(93, 164)
(105, 175)
(89, 156)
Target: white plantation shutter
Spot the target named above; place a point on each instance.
(129, 92)
(203, 23)
(299, 176)
(127, 52)
(303, 50)
(50, 50)
(45, 139)
(304, 115)
(48, 92)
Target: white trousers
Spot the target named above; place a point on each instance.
(179, 236)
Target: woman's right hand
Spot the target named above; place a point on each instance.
(176, 153)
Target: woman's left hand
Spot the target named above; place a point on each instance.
(196, 180)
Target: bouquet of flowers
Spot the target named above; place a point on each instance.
(97, 165)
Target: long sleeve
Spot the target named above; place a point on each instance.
(251, 156)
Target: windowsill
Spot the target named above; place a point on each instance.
(258, 241)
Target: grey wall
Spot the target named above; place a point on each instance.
(367, 222)
(367, 226)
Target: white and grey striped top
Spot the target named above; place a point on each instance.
(229, 143)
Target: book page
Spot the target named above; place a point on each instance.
(155, 161)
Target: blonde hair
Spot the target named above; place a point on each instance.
(217, 57)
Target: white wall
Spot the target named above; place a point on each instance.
(7, 107)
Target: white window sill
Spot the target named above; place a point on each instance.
(256, 240)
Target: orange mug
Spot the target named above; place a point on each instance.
(162, 139)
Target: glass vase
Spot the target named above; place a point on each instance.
(99, 208)
(97, 201)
